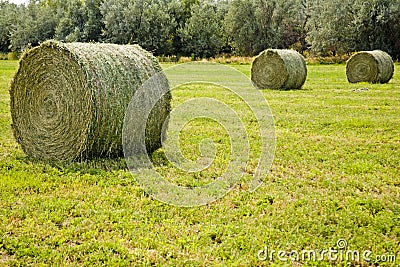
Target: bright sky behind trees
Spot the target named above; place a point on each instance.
(18, 1)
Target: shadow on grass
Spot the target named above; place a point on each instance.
(94, 166)
(159, 159)
(304, 88)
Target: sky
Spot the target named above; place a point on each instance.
(18, 1)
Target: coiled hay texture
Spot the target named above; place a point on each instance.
(68, 101)
(370, 66)
(279, 69)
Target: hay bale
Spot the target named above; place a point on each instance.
(370, 66)
(68, 101)
(279, 69)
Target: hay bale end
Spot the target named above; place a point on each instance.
(68, 101)
(370, 66)
(279, 69)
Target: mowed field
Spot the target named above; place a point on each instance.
(335, 177)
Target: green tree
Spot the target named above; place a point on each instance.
(254, 25)
(116, 28)
(71, 26)
(222, 9)
(377, 24)
(290, 19)
(187, 6)
(331, 28)
(241, 27)
(180, 10)
(34, 24)
(8, 15)
(94, 24)
(339, 27)
(145, 22)
(304, 16)
(202, 33)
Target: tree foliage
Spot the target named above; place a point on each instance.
(8, 15)
(255, 25)
(346, 26)
(146, 22)
(202, 33)
(206, 28)
(71, 26)
(377, 23)
(33, 24)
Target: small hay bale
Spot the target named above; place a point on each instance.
(68, 101)
(279, 69)
(370, 66)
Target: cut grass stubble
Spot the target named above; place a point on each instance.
(335, 176)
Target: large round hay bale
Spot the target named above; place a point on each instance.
(279, 69)
(370, 66)
(68, 101)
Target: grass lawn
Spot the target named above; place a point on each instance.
(336, 175)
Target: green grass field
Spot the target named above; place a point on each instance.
(336, 175)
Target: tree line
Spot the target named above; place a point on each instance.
(207, 28)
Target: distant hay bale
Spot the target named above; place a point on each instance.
(370, 66)
(68, 101)
(279, 69)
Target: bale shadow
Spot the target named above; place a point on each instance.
(96, 165)
(304, 88)
(159, 159)
(92, 166)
